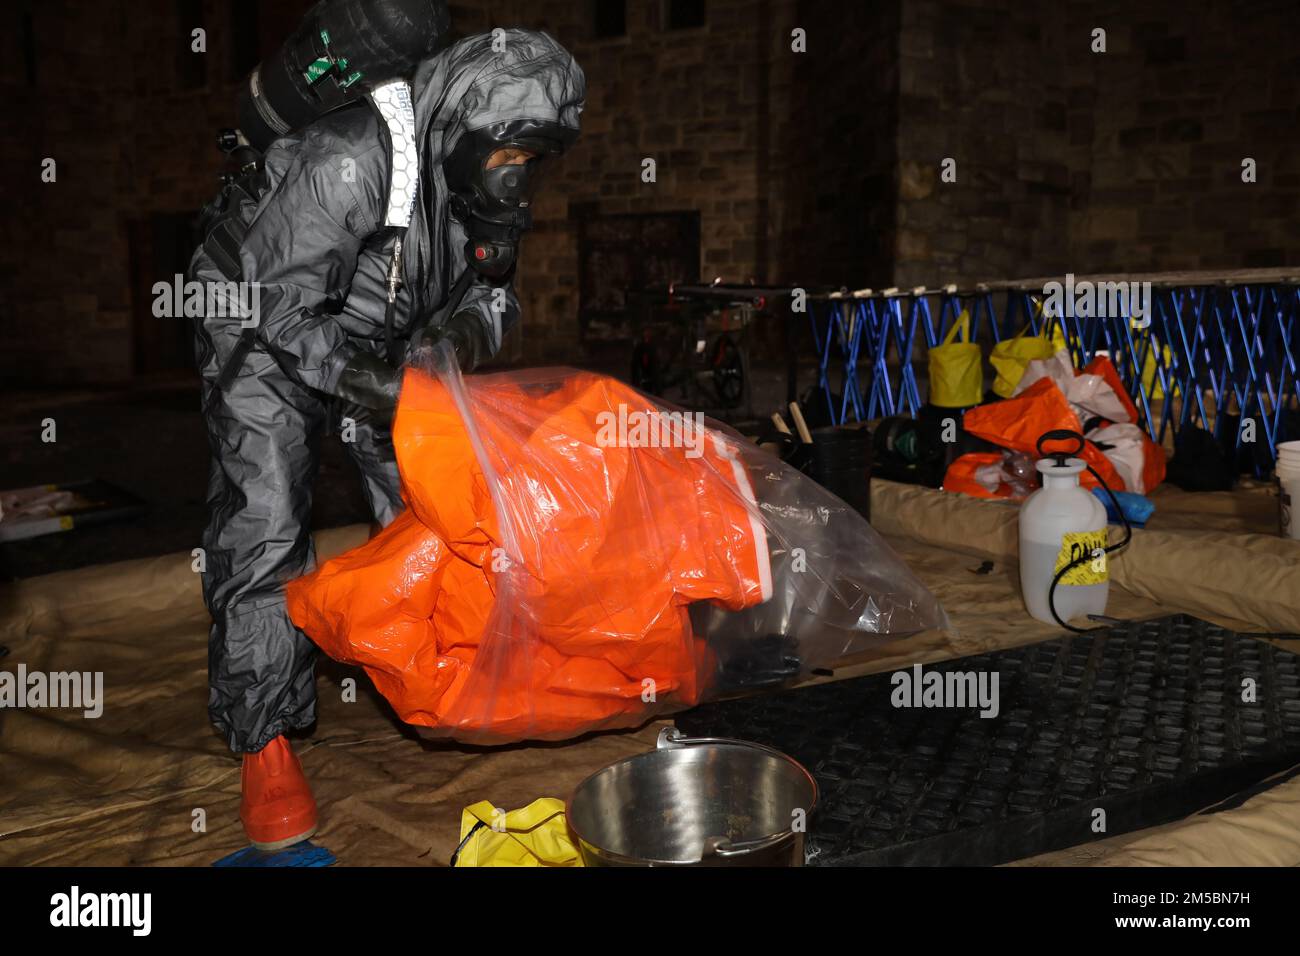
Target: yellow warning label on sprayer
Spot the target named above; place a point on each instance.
(1076, 545)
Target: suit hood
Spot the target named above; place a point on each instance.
(499, 77)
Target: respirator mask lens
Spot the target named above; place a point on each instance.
(493, 202)
(514, 184)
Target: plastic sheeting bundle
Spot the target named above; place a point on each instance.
(575, 556)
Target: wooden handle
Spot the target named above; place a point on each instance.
(800, 424)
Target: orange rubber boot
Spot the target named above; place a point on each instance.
(277, 806)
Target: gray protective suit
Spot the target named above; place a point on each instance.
(318, 249)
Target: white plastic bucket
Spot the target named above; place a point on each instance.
(1288, 489)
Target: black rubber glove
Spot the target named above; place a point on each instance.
(369, 381)
(467, 336)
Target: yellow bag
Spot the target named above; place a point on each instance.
(956, 372)
(1011, 357)
(536, 835)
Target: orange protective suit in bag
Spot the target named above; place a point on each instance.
(538, 584)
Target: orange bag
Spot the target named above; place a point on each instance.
(575, 557)
(1017, 423)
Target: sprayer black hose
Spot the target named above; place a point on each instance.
(1128, 536)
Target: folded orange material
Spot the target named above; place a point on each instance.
(1016, 423)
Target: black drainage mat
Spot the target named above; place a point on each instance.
(1144, 721)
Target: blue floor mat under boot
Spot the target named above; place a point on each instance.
(305, 853)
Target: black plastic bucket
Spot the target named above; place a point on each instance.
(839, 459)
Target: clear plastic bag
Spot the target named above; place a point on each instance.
(576, 556)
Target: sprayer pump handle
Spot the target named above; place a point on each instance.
(1061, 434)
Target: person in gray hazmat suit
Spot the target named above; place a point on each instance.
(381, 228)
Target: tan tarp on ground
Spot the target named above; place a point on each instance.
(128, 788)
(1212, 555)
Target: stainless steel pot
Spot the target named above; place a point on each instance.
(694, 802)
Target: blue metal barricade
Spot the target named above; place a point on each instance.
(1208, 344)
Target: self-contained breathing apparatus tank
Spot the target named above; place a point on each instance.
(340, 51)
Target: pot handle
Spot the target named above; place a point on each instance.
(721, 846)
(670, 738)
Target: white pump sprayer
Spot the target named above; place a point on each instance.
(1063, 525)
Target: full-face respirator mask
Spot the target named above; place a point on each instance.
(494, 205)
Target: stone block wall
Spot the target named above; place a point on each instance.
(813, 168)
(1070, 159)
